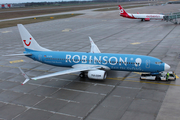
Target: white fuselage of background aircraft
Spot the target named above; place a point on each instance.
(143, 17)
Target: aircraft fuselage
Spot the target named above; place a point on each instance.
(121, 62)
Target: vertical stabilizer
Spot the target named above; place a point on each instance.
(28, 41)
(122, 11)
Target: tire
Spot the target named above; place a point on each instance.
(158, 78)
(81, 75)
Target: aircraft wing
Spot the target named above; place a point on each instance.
(94, 48)
(73, 70)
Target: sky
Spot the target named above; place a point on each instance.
(23, 1)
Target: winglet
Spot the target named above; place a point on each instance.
(137, 12)
(94, 48)
(27, 78)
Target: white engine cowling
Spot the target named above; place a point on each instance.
(97, 74)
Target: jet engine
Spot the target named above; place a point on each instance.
(147, 19)
(97, 74)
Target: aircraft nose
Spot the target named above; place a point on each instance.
(166, 66)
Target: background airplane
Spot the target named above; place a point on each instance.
(143, 17)
(94, 63)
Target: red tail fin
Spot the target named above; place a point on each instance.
(122, 11)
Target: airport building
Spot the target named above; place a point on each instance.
(11, 5)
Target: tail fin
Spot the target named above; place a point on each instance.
(28, 41)
(122, 11)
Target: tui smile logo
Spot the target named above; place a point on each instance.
(26, 43)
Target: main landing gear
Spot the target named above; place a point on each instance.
(142, 19)
(82, 75)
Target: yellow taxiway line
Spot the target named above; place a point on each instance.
(143, 42)
(16, 61)
(150, 82)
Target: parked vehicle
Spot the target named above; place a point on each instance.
(161, 76)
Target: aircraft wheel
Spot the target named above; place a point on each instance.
(82, 75)
(158, 78)
(142, 19)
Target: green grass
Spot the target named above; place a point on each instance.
(116, 8)
(32, 20)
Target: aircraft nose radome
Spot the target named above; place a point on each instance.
(166, 66)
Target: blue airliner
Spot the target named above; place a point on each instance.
(94, 63)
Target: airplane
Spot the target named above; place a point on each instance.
(94, 64)
(143, 17)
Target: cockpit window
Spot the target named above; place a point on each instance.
(158, 63)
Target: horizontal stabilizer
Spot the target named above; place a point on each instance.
(23, 54)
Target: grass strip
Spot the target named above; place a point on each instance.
(16, 14)
(116, 8)
(32, 11)
(35, 20)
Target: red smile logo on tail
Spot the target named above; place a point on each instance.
(28, 43)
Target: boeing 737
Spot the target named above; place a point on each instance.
(143, 17)
(93, 63)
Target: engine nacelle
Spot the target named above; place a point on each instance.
(147, 19)
(97, 74)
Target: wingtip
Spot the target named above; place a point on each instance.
(22, 84)
(90, 39)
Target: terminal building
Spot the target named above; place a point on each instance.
(11, 5)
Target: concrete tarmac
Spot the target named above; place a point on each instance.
(121, 96)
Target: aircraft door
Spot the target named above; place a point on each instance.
(147, 63)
